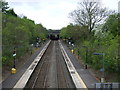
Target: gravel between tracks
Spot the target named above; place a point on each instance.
(51, 72)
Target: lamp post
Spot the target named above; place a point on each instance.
(86, 56)
(78, 51)
(31, 48)
(37, 39)
(103, 54)
(14, 54)
(14, 68)
(72, 50)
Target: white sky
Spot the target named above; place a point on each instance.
(52, 14)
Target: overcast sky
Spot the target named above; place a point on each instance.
(52, 14)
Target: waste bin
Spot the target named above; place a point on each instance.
(13, 71)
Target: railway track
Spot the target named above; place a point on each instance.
(64, 79)
(51, 71)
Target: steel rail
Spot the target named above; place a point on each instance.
(61, 68)
(26, 76)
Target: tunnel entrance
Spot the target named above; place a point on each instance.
(54, 34)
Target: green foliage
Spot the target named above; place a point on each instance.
(75, 32)
(107, 45)
(3, 6)
(11, 12)
(112, 24)
(18, 33)
(104, 39)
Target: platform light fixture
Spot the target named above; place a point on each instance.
(86, 55)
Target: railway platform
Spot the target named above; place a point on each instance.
(12, 79)
(84, 74)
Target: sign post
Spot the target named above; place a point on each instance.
(13, 69)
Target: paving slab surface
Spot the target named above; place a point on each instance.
(12, 79)
(86, 76)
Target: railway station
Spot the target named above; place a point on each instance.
(55, 66)
(41, 49)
